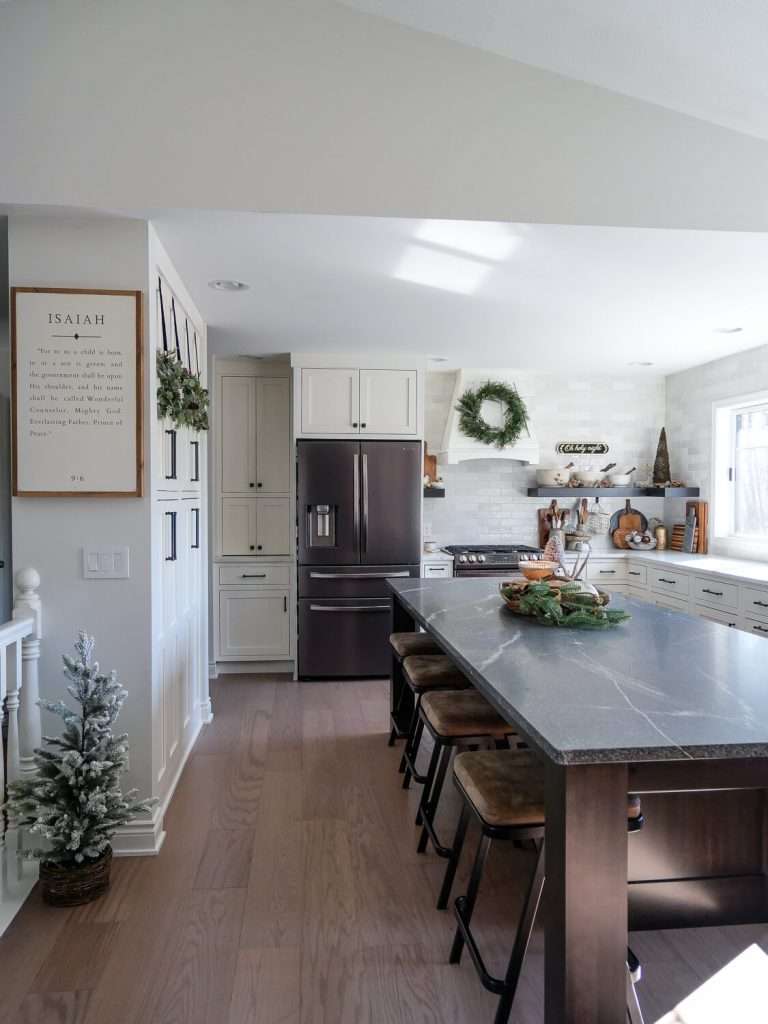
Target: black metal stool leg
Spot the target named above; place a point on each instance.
(453, 860)
(409, 738)
(465, 905)
(410, 769)
(522, 938)
(428, 784)
(429, 808)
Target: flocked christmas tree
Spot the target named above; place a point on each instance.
(74, 801)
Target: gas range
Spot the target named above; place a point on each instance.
(489, 560)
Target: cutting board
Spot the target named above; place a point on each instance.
(630, 519)
(619, 538)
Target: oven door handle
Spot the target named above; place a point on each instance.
(350, 608)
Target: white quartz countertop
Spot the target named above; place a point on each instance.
(742, 569)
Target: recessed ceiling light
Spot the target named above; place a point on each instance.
(638, 362)
(225, 285)
(728, 330)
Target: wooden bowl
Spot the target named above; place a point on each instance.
(538, 570)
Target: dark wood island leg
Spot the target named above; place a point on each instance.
(586, 894)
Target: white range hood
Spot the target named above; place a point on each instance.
(457, 447)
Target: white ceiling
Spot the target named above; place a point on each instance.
(706, 58)
(546, 296)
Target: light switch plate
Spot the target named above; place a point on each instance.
(106, 563)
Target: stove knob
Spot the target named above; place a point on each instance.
(522, 558)
(462, 558)
(481, 558)
(472, 558)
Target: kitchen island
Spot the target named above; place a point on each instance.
(666, 705)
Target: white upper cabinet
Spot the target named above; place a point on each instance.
(330, 401)
(336, 402)
(273, 435)
(255, 435)
(388, 401)
(238, 435)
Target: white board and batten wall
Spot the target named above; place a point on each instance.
(253, 511)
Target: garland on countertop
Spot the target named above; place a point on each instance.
(180, 395)
(471, 420)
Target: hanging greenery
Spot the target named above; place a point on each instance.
(471, 419)
(180, 395)
(563, 605)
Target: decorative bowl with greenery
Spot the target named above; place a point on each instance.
(74, 801)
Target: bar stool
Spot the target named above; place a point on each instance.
(504, 791)
(422, 674)
(403, 645)
(454, 719)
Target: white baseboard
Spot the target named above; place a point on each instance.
(144, 837)
(254, 668)
(213, 671)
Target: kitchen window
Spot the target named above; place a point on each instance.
(740, 489)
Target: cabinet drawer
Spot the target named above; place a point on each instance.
(254, 574)
(436, 570)
(667, 582)
(755, 627)
(716, 593)
(755, 603)
(665, 601)
(715, 615)
(613, 571)
(637, 574)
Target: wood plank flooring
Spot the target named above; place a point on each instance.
(289, 891)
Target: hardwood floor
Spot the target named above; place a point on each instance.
(289, 891)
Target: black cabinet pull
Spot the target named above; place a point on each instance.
(258, 547)
(251, 485)
(172, 556)
(608, 572)
(172, 475)
(259, 484)
(354, 424)
(760, 629)
(363, 425)
(714, 593)
(195, 461)
(285, 603)
(252, 547)
(662, 580)
(633, 572)
(253, 576)
(195, 528)
(761, 604)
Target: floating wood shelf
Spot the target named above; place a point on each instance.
(613, 492)
(434, 492)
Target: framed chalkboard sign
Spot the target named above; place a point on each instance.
(76, 369)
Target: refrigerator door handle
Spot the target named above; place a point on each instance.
(350, 608)
(359, 575)
(365, 503)
(356, 495)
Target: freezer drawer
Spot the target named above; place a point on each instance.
(342, 637)
(350, 580)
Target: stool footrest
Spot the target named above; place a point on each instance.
(495, 985)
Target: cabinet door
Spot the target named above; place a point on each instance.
(254, 623)
(273, 526)
(330, 401)
(388, 401)
(238, 526)
(273, 436)
(237, 443)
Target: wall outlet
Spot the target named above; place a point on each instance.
(106, 563)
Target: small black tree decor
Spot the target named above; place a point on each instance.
(471, 421)
(74, 801)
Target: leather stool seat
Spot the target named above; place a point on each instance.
(505, 788)
(466, 713)
(406, 644)
(433, 672)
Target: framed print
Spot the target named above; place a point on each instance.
(76, 376)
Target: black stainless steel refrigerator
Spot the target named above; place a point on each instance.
(359, 506)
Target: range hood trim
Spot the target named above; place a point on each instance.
(457, 447)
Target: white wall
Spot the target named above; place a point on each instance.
(309, 106)
(49, 533)
(486, 501)
(6, 572)
(690, 395)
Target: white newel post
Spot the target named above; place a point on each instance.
(28, 605)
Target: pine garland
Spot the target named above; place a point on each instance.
(567, 606)
(471, 421)
(180, 395)
(74, 801)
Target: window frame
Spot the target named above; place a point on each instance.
(723, 492)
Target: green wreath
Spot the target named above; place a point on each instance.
(471, 420)
(180, 395)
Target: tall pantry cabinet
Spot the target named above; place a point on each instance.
(179, 577)
(254, 534)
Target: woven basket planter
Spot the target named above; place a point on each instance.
(67, 886)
